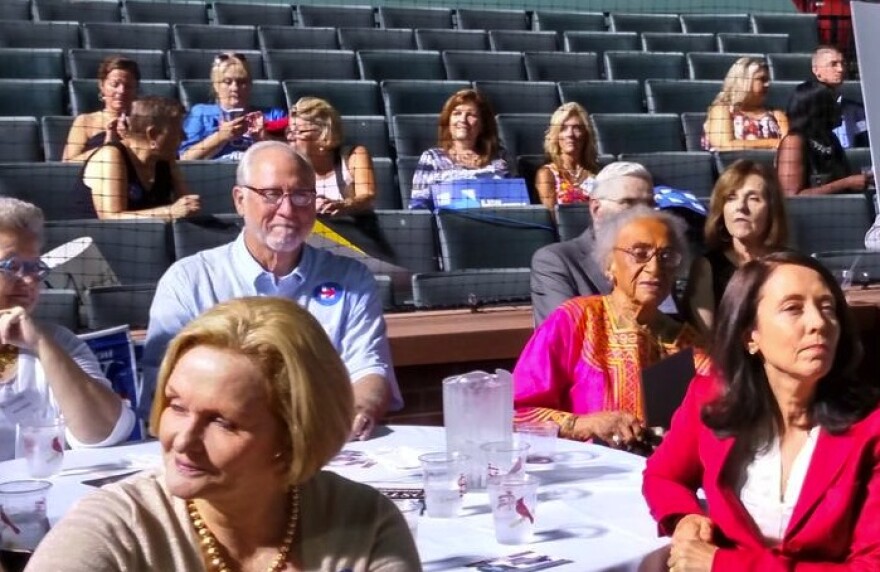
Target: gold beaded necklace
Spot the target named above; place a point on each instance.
(213, 553)
(8, 356)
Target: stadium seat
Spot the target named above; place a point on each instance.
(369, 131)
(852, 90)
(81, 11)
(32, 63)
(15, 10)
(311, 64)
(195, 234)
(213, 182)
(572, 220)
(252, 14)
(492, 237)
(136, 249)
(413, 134)
(334, 16)
(412, 237)
(527, 168)
(803, 35)
(109, 306)
(859, 158)
(20, 34)
(20, 138)
(406, 169)
(676, 42)
(356, 39)
(84, 93)
(440, 40)
(407, 97)
(47, 185)
(387, 196)
(724, 159)
(400, 64)
(519, 96)
(264, 93)
(560, 22)
(287, 38)
(84, 64)
(692, 125)
(833, 222)
(561, 66)
(685, 171)
(856, 261)
(711, 65)
(644, 65)
(348, 97)
(680, 96)
(59, 306)
(477, 19)
(53, 133)
(220, 38)
(604, 96)
(197, 64)
(618, 133)
(101, 35)
(32, 97)
(599, 42)
(715, 23)
(759, 43)
(641, 23)
(523, 134)
(778, 94)
(146, 11)
(487, 66)
(472, 288)
(790, 67)
(522, 41)
(412, 18)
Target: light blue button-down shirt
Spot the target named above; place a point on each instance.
(339, 292)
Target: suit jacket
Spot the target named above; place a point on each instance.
(836, 520)
(563, 270)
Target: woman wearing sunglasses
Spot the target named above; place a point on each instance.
(45, 370)
(582, 367)
(225, 129)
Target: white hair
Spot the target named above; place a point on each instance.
(604, 186)
(17, 215)
(607, 232)
(243, 173)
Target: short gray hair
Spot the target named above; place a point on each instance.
(243, 173)
(17, 215)
(603, 187)
(606, 233)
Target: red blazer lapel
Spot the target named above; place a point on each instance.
(742, 530)
(828, 461)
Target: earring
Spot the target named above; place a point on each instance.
(753, 349)
(153, 145)
(277, 455)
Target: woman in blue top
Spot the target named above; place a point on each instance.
(224, 130)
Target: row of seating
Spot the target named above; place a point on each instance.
(204, 36)
(463, 257)
(803, 26)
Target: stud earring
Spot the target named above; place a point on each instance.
(153, 145)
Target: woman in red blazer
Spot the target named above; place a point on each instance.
(784, 440)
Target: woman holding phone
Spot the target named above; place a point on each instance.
(225, 129)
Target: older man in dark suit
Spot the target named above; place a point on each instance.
(567, 269)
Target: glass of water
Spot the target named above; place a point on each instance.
(445, 483)
(513, 499)
(41, 443)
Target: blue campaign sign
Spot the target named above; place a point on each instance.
(115, 352)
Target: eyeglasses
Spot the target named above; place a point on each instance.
(19, 268)
(274, 196)
(667, 257)
(226, 56)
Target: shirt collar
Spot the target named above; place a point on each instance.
(253, 272)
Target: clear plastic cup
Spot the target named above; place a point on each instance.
(410, 509)
(513, 499)
(504, 457)
(23, 522)
(445, 483)
(41, 443)
(541, 437)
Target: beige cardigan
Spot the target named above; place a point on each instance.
(136, 525)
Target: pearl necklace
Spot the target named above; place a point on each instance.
(213, 553)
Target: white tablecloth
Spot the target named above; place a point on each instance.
(590, 507)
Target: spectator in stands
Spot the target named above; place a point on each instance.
(572, 164)
(810, 160)
(467, 147)
(224, 130)
(783, 437)
(581, 368)
(45, 370)
(252, 403)
(275, 193)
(118, 79)
(738, 118)
(567, 269)
(829, 67)
(746, 221)
(138, 177)
(345, 181)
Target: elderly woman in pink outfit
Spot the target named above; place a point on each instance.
(582, 366)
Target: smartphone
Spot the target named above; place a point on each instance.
(234, 113)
